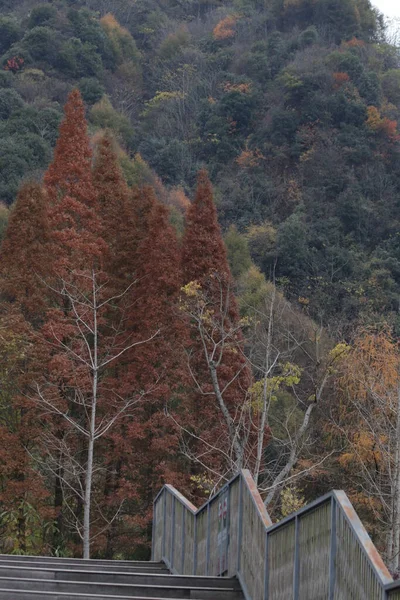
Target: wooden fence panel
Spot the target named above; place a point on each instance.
(158, 527)
(322, 552)
(355, 577)
(314, 552)
(281, 562)
(201, 542)
(234, 516)
(252, 557)
(176, 562)
(214, 555)
(188, 563)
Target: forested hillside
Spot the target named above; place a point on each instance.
(200, 262)
(291, 106)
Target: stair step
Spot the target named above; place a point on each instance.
(97, 576)
(7, 594)
(82, 561)
(124, 590)
(91, 568)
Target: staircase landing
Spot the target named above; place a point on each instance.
(34, 578)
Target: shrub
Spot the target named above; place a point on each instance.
(121, 41)
(78, 59)
(104, 115)
(91, 89)
(43, 14)
(9, 33)
(41, 43)
(10, 101)
(6, 79)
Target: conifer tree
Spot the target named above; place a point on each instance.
(203, 249)
(220, 373)
(25, 258)
(148, 448)
(75, 225)
(116, 213)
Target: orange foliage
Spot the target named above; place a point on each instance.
(226, 28)
(178, 199)
(243, 88)
(249, 158)
(340, 79)
(381, 124)
(354, 43)
(110, 23)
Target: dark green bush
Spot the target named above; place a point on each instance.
(44, 14)
(41, 42)
(10, 101)
(10, 33)
(92, 90)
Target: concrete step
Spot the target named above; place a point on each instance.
(80, 561)
(120, 589)
(7, 594)
(100, 576)
(91, 567)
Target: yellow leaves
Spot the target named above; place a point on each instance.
(226, 28)
(160, 99)
(191, 289)
(291, 500)
(289, 376)
(374, 118)
(203, 483)
(303, 301)
(339, 352)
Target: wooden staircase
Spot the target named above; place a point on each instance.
(34, 578)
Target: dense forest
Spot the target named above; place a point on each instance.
(200, 263)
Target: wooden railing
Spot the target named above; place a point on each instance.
(321, 552)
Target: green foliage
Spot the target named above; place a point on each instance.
(91, 89)
(10, 101)
(391, 86)
(120, 41)
(6, 79)
(41, 42)
(78, 59)
(10, 32)
(43, 14)
(88, 30)
(104, 116)
(238, 252)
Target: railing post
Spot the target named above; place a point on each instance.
(164, 523)
(153, 532)
(240, 523)
(296, 560)
(208, 537)
(266, 574)
(332, 555)
(172, 533)
(183, 538)
(195, 547)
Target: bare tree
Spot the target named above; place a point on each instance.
(289, 357)
(368, 419)
(80, 392)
